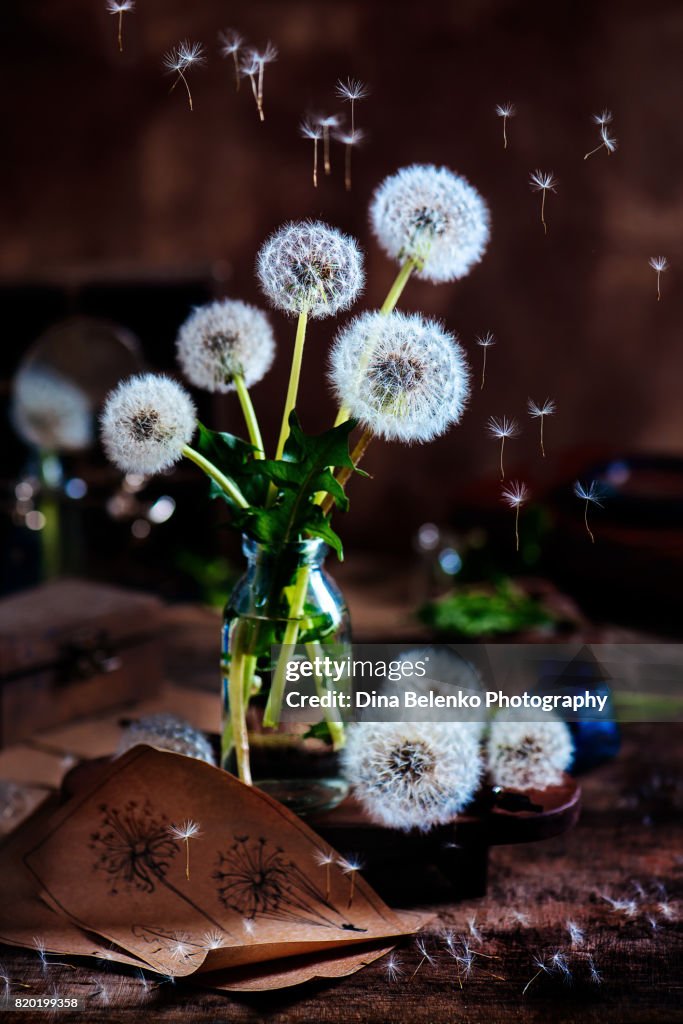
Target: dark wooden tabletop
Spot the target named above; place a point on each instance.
(627, 847)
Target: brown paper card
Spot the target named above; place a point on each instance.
(256, 890)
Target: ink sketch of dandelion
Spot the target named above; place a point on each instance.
(255, 878)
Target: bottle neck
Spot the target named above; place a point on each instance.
(307, 552)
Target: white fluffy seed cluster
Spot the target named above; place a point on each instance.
(222, 340)
(433, 216)
(402, 376)
(447, 673)
(167, 732)
(146, 422)
(528, 755)
(309, 267)
(410, 774)
(50, 411)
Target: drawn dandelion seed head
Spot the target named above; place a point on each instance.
(542, 181)
(528, 755)
(486, 340)
(50, 411)
(515, 494)
(133, 847)
(222, 340)
(593, 492)
(311, 128)
(309, 267)
(546, 408)
(146, 422)
(432, 216)
(401, 375)
(506, 109)
(412, 775)
(351, 90)
(603, 118)
(500, 427)
(658, 263)
(230, 42)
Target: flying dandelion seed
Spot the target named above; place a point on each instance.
(576, 933)
(393, 967)
(427, 957)
(659, 264)
(607, 141)
(543, 182)
(505, 110)
(311, 129)
(351, 866)
(501, 429)
(328, 123)
(592, 495)
(486, 341)
(558, 964)
(351, 91)
(188, 830)
(118, 8)
(180, 59)
(325, 859)
(546, 408)
(231, 43)
(539, 962)
(596, 976)
(253, 67)
(349, 140)
(515, 495)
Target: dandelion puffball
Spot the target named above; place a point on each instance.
(223, 340)
(402, 376)
(412, 775)
(432, 216)
(167, 732)
(528, 755)
(146, 422)
(309, 267)
(51, 412)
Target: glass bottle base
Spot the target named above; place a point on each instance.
(305, 796)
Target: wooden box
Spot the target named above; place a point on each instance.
(72, 648)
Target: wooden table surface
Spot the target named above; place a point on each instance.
(628, 846)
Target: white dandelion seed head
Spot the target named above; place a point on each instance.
(120, 6)
(515, 494)
(658, 263)
(593, 492)
(412, 775)
(311, 128)
(265, 56)
(50, 411)
(528, 755)
(433, 216)
(167, 732)
(603, 118)
(230, 42)
(146, 422)
(222, 340)
(309, 267)
(608, 141)
(249, 65)
(402, 376)
(350, 864)
(191, 53)
(486, 340)
(351, 138)
(542, 181)
(500, 427)
(546, 408)
(186, 830)
(323, 858)
(351, 90)
(506, 109)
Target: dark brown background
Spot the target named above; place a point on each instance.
(106, 174)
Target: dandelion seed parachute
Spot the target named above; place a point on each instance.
(402, 376)
(411, 775)
(223, 340)
(146, 422)
(310, 268)
(528, 755)
(434, 217)
(50, 411)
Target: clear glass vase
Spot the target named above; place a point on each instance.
(286, 598)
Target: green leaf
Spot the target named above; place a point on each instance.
(234, 458)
